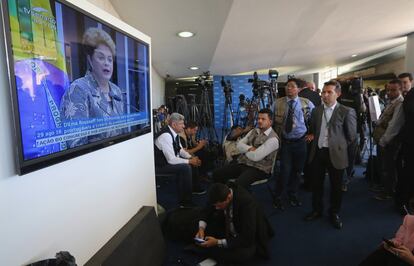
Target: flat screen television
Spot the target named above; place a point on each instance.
(78, 84)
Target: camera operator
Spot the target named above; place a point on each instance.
(352, 97)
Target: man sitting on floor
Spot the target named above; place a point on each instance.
(233, 226)
(258, 150)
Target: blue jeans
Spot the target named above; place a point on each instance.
(292, 160)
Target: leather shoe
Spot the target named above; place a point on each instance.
(336, 221)
(277, 204)
(313, 216)
(294, 202)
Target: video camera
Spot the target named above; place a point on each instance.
(227, 90)
(259, 86)
(204, 80)
(352, 86)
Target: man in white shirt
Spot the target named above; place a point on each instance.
(332, 130)
(258, 150)
(171, 158)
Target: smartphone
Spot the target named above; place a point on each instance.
(388, 242)
(199, 240)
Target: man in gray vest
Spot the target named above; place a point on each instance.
(258, 150)
(292, 114)
(386, 130)
(332, 130)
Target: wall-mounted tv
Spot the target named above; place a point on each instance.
(78, 84)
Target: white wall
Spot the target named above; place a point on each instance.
(157, 89)
(76, 205)
(158, 82)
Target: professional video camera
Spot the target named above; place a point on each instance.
(227, 90)
(204, 80)
(352, 86)
(259, 86)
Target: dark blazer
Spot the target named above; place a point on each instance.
(250, 223)
(342, 133)
(408, 128)
(311, 95)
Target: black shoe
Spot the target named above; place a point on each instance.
(382, 196)
(277, 204)
(294, 202)
(336, 221)
(187, 205)
(313, 216)
(199, 191)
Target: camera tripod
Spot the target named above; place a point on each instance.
(193, 113)
(241, 116)
(205, 118)
(181, 105)
(228, 109)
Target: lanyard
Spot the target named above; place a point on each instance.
(326, 118)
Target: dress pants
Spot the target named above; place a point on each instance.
(183, 175)
(387, 156)
(320, 164)
(245, 175)
(405, 186)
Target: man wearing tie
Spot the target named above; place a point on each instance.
(332, 130)
(171, 158)
(233, 226)
(292, 115)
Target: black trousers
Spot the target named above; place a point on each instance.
(320, 164)
(382, 257)
(183, 174)
(244, 174)
(405, 185)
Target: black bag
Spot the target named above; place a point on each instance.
(181, 224)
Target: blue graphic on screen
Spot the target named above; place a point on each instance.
(240, 85)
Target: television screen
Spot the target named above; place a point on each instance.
(77, 83)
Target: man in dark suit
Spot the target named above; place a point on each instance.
(332, 130)
(233, 226)
(309, 93)
(405, 186)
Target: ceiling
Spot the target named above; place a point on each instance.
(234, 36)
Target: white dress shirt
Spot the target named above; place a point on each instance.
(165, 143)
(269, 146)
(323, 141)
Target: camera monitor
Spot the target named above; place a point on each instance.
(78, 84)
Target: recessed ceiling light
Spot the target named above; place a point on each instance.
(354, 55)
(193, 68)
(185, 34)
(177, 83)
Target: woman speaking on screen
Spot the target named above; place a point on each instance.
(94, 95)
